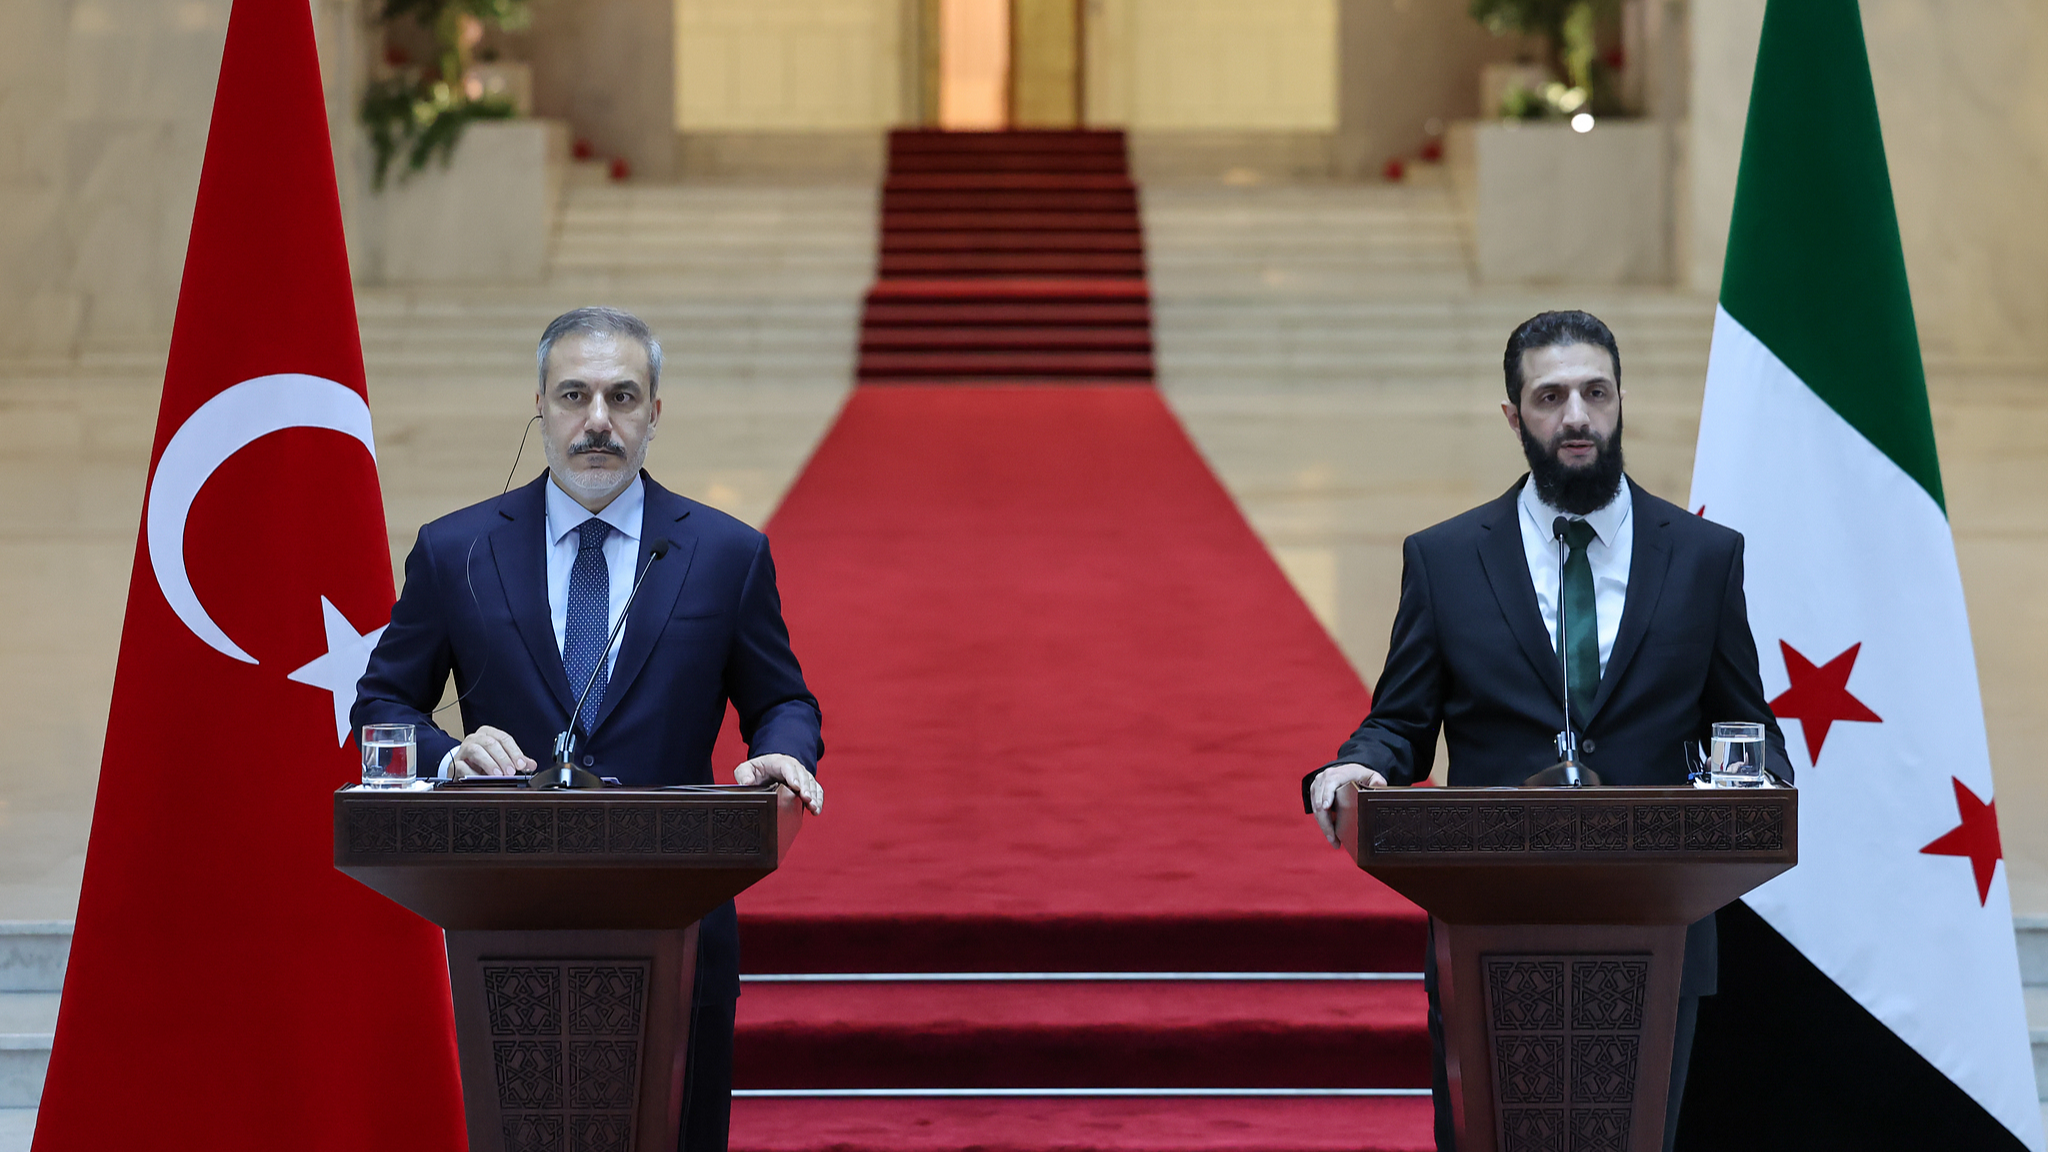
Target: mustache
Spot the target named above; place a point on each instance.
(605, 444)
(1581, 433)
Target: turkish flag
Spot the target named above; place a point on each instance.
(228, 989)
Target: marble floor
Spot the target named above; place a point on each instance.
(1324, 346)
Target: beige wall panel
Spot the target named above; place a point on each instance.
(788, 65)
(1044, 61)
(1230, 65)
(1962, 89)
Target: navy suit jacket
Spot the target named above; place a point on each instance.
(706, 629)
(1470, 655)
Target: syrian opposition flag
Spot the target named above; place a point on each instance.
(228, 989)
(1871, 996)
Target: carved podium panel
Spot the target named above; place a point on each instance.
(1559, 916)
(571, 919)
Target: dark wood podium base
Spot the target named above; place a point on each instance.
(1573, 1025)
(573, 1041)
(572, 922)
(1560, 917)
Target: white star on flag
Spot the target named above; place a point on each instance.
(348, 654)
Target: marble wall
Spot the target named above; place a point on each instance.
(103, 113)
(104, 107)
(1962, 89)
(1213, 65)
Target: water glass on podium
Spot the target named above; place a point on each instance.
(390, 758)
(1735, 755)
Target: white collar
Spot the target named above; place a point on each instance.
(624, 513)
(1606, 520)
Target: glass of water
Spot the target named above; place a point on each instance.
(390, 759)
(1735, 755)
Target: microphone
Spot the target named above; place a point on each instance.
(1567, 771)
(565, 773)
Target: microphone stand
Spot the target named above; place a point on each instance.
(1567, 772)
(564, 773)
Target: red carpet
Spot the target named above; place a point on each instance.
(1210, 1124)
(1068, 698)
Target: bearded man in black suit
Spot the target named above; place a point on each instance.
(1664, 653)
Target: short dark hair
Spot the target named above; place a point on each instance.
(596, 322)
(1551, 330)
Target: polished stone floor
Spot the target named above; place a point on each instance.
(1323, 345)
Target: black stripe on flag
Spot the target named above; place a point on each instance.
(1785, 1060)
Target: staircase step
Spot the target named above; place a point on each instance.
(1033, 220)
(1021, 363)
(1083, 1035)
(27, 1022)
(1384, 941)
(1005, 161)
(1067, 315)
(906, 200)
(998, 289)
(1011, 263)
(33, 954)
(1113, 1124)
(1007, 241)
(1008, 182)
(1134, 338)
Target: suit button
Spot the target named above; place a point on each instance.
(589, 760)
(1590, 747)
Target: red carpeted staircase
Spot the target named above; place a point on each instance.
(1062, 896)
(1008, 256)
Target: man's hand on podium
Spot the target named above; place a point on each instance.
(787, 771)
(1322, 795)
(490, 752)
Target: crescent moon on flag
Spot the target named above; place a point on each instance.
(221, 427)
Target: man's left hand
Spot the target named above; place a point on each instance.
(787, 771)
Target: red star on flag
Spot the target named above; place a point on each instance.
(1976, 837)
(1819, 696)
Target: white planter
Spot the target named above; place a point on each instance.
(1555, 206)
(487, 216)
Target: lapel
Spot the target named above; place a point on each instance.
(663, 518)
(1507, 570)
(519, 547)
(1648, 561)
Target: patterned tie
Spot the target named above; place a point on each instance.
(1581, 632)
(589, 616)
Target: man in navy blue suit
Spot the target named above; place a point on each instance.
(515, 597)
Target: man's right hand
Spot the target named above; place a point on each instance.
(490, 752)
(1322, 794)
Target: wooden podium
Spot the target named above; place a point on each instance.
(1559, 916)
(572, 939)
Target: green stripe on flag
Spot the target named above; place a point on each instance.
(1814, 267)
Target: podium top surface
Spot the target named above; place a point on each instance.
(1621, 855)
(510, 857)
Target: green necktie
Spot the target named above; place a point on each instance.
(1581, 633)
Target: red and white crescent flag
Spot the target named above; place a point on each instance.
(228, 989)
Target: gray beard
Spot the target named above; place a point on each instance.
(594, 484)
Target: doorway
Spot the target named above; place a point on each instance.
(1007, 64)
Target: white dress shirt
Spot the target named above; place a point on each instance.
(625, 514)
(1614, 542)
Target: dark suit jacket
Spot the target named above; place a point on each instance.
(1470, 654)
(707, 628)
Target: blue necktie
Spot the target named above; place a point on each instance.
(589, 615)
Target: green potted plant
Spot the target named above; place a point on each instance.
(1571, 31)
(420, 112)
